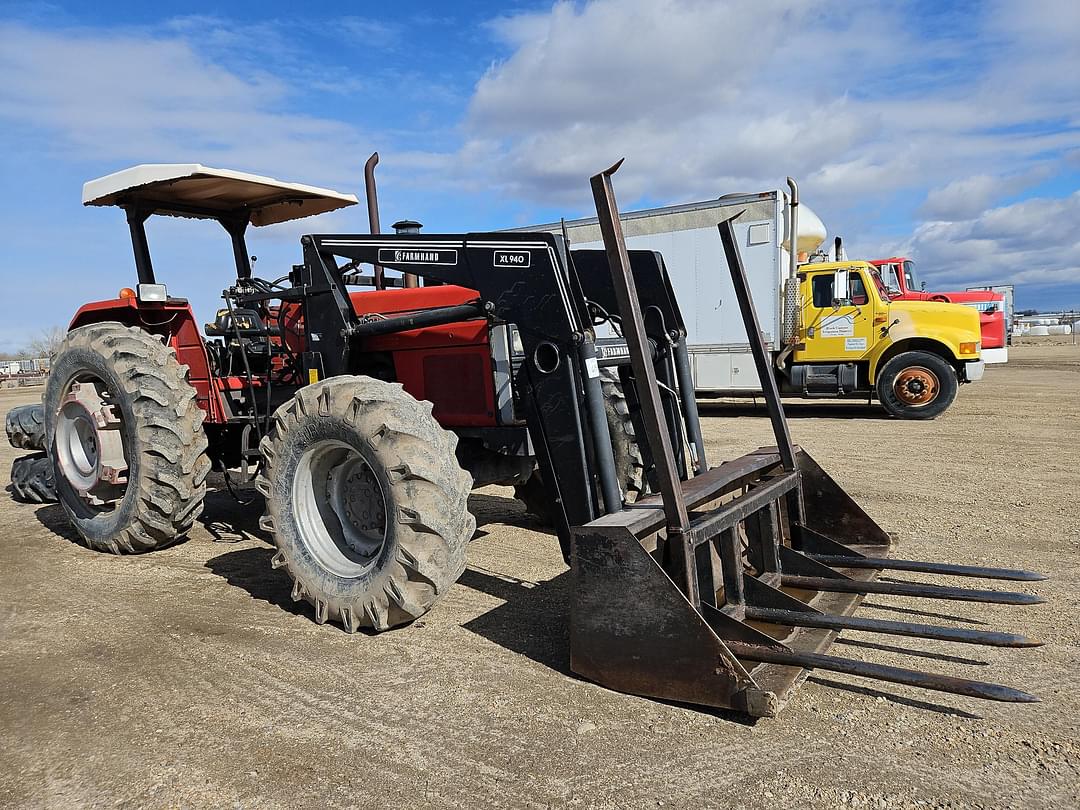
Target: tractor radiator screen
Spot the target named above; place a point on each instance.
(458, 384)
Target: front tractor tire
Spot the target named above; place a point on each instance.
(125, 436)
(917, 385)
(366, 502)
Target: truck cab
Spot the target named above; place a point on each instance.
(899, 276)
(853, 336)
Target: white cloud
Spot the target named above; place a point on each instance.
(866, 104)
(131, 97)
(709, 97)
(1029, 242)
(969, 196)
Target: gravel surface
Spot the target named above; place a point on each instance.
(188, 678)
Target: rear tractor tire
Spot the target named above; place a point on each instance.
(917, 385)
(125, 436)
(26, 427)
(32, 479)
(629, 466)
(366, 502)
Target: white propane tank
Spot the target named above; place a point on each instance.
(811, 230)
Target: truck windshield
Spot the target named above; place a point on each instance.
(909, 276)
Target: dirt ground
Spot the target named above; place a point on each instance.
(188, 678)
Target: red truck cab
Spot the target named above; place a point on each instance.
(898, 274)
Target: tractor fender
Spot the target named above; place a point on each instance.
(174, 321)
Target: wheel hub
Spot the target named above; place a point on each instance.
(340, 508)
(916, 386)
(89, 444)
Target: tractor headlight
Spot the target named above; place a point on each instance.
(152, 292)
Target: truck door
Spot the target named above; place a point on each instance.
(837, 329)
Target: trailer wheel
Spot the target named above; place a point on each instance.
(32, 479)
(26, 427)
(917, 385)
(126, 439)
(366, 502)
(629, 465)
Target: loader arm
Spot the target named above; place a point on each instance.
(521, 279)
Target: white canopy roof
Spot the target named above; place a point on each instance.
(194, 190)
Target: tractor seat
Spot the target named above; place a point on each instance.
(247, 322)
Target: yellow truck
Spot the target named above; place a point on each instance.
(851, 338)
(831, 328)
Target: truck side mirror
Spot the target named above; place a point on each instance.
(922, 286)
(841, 291)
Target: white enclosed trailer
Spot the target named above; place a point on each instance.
(688, 239)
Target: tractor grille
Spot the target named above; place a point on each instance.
(457, 385)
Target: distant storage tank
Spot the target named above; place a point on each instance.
(811, 231)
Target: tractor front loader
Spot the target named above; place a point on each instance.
(366, 416)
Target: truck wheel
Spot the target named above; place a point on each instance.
(629, 465)
(32, 479)
(916, 385)
(126, 439)
(26, 427)
(366, 502)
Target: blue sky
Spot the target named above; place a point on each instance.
(950, 132)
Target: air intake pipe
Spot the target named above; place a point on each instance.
(373, 211)
(791, 285)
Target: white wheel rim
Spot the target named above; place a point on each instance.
(89, 443)
(340, 508)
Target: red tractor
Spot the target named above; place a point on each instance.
(368, 408)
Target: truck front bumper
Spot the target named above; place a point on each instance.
(973, 371)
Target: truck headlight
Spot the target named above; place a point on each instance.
(971, 348)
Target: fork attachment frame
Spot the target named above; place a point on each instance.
(727, 587)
